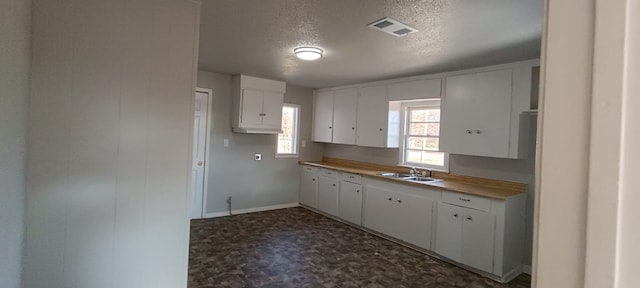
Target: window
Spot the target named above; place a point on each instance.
(421, 141)
(288, 138)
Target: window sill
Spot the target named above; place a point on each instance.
(287, 156)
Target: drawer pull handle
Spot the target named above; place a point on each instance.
(469, 132)
(469, 218)
(351, 177)
(466, 200)
(399, 200)
(455, 215)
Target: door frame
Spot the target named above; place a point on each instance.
(207, 150)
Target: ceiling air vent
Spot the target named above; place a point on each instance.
(392, 27)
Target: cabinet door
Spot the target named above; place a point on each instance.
(378, 210)
(449, 231)
(350, 204)
(412, 215)
(478, 230)
(251, 108)
(323, 117)
(476, 114)
(328, 195)
(372, 117)
(272, 109)
(344, 116)
(309, 189)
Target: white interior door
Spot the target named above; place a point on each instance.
(199, 149)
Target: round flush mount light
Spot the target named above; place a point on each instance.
(308, 53)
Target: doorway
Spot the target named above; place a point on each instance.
(201, 135)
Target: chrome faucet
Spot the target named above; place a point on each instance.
(413, 171)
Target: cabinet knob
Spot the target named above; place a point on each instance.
(399, 200)
(380, 129)
(358, 191)
(353, 128)
(314, 179)
(469, 218)
(455, 215)
(469, 132)
(263, 114)
(390, 199)
(334, 185)
(478, 131)
(330, 127)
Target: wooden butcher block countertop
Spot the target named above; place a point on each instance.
(496, 189)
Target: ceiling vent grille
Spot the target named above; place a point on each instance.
(392, 27)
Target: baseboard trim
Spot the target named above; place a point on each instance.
(251, 210)
(526, 269)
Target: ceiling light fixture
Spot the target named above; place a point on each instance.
(308, 53)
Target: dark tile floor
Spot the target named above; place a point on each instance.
(299, 248)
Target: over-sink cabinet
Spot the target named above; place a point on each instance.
(485, 234)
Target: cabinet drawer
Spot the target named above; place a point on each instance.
(329, 173)
(466, 200)
(350, 177)
(310, 169)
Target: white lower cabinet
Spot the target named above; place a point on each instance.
(486, 234)
(308, 194)
(328, 192)
(483, 233)
(350, 202)
(400, 211)
(466, 236)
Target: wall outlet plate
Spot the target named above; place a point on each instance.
(258, 157)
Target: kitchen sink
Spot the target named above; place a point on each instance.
(421, 179)
(395, 175)
(408, 177)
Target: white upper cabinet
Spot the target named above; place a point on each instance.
(334, 117)
(257, 105)
(481, 112)
(476, 114)
(373, 109)
(323, 117)
(344, 116)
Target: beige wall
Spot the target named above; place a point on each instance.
(15, 32)
(111, 116)
(233, 171)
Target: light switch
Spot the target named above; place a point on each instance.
(225, 142)
(258, 157)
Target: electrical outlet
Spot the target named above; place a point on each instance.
(258, 157)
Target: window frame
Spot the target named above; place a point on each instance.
(404, 125)
(296, 134)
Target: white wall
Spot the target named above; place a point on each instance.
(564, 123)
(15, 48)
(233, 171)
(111, 117)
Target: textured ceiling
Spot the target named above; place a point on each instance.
(257, 37)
